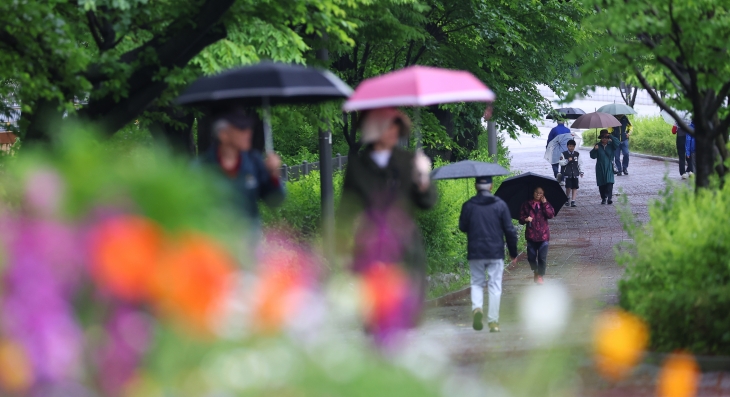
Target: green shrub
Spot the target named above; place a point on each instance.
(678, 270)
(650, 135)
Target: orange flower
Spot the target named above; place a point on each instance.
(619, 341)
(679, 376)
(124, 253)
(281, 281)
(192, 280)
(385, 288)
(16, 374)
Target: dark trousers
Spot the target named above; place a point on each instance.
(623, 148)
(681, 144)
(537, 256)
(556, 168)
(606, 191)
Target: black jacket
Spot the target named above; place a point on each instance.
(486, 221)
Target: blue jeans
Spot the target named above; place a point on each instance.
(556, 169)
(623, 147)
(537, 256)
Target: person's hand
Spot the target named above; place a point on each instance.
(513, 261)
(570, 159)
(543, 200)
(528, 219)
(421, 171)
(272, 162)
(595, 147)
(581, 175)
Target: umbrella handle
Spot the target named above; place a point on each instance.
(268, 137)
(417, 114)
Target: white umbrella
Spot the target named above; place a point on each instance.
(670, 120)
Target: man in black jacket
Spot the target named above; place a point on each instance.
(486, 221)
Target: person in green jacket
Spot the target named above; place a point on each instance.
(604, 153)
(384, 186)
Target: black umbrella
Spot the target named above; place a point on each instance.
(518, 189)
(567, 113)
(266, 84)
(468, 169)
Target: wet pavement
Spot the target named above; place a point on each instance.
(582, 260)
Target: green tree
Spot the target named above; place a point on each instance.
(511, 46)
(677, 47)
(126, 59)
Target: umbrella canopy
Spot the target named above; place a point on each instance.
(418, 86)
(595, 120)
(616, 108)
(280, 83)
(670, 120)
(266, 84)
(518, 189)
(468, 169)
(567, 113)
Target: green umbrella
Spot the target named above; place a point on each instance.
(616, 108)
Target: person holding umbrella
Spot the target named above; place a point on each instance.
(486, 221)
(623, 133)
(560, 129)
(251, 176)
(603, 153)
(383, 186)
(535, 214)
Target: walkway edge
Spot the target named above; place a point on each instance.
(448, 299)
(653, 157)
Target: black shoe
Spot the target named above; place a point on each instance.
(626, 172)
(559, 177)
(572, 204)
(567, 203)
(603, 202)
(610, 201)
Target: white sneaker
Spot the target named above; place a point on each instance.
(691, 173)
(684, 176)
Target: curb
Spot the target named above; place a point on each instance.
(449, 299)
(653, 157)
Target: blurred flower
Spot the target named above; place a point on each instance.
(192, 280)
(128, 334)
(44, 191)
(15, 369)
(619, 342)
(679, 376)
(286, 274)
(390, 301)
(43, 268)
(124, 254)
(548, 319)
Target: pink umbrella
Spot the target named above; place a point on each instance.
(418, 86)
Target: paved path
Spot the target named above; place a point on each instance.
(581, 258)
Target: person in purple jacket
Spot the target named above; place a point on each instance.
(535, 214)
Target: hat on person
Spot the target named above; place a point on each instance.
(484, 180)
(237, 118)
(376, 121)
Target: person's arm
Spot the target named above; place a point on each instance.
(580, 166)
(563, 161)
(524, 213)
(548, 210)
(687, 145)
(271, 190)
(464, 217)
(551, 136)
(509, 231)
(594, 152)
(615, 143)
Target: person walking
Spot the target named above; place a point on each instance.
(251, 176)
(560, 129)
(571, 169)
(535, 214)
(486, 220)
(623, 133)
(603, 153)
(689, 151)
(681, 150)
(383, 186)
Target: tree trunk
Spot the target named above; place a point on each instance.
(39, 125)
(704, 150)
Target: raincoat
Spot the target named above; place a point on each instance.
(604, 161)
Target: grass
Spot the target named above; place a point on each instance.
(651, 135)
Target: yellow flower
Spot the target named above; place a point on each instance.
(679, 376)
(610, 129)
(619, 341)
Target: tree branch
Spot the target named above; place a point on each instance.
(663, 105)
(94, 28)
(720, 99)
